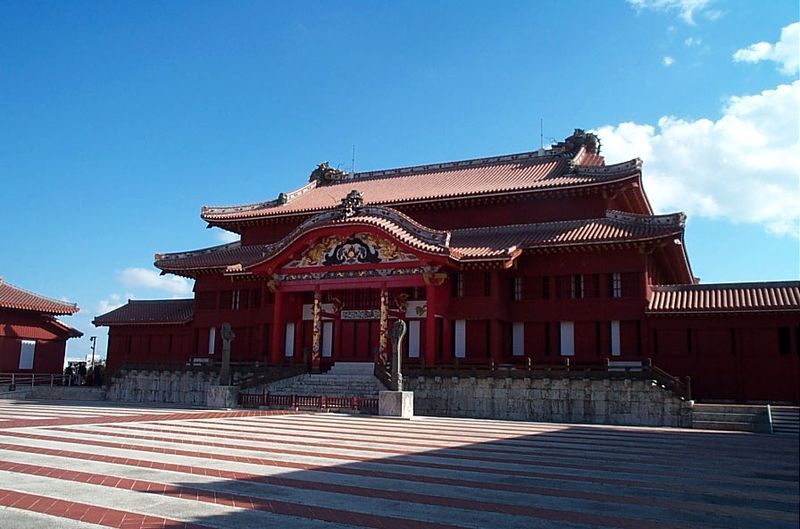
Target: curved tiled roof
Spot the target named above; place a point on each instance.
(726, 297)
(235, 257)
(615, 227)
(13, 297)
(148, 312)
(496, 242)
(497, 175)
(215, 257)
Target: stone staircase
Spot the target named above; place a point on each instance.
(345, 379)
(732, 417)
(785, 420)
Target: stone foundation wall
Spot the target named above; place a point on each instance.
(177, 387)
(67, 393)
(616, 401)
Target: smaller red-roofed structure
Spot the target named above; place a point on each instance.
(32, 340)
(156, 331)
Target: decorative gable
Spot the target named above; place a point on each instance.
(356, 249)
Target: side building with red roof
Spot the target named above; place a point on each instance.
(534, 258)
(32, 339)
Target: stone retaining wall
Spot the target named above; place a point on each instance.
(611, 401)
(177, 387)
(67, 393)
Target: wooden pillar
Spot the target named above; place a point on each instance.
(316, 331)
(383, 340)
(496, 341)
(447, 340)
(430, 325)
(337, 339)
(276, 346)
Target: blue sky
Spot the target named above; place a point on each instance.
(118, 120)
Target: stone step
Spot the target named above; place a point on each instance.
(729, 417)
(786, 420)
(327, 392)
(730, 408)
(352, 368)
(723, 425)
(734, 417)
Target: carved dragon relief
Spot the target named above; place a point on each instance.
(359, 248)
(325, 174)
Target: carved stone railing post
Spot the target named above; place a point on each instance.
(397, 334)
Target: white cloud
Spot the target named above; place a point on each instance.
(114, 301)
(742, 167)
(687, 8)
(134, 278)
(691, 42)
(785, 52)
(667, 60)
(226, 236)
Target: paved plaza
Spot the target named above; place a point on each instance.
(81, 465)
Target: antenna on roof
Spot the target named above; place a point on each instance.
(541, 133)
(353, 161)
(541, 137)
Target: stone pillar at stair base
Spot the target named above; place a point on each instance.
(222, 396)
(398, 404)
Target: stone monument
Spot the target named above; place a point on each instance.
(224, 395)
(397, 403)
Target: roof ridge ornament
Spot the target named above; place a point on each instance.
(579, 138)
(351, 204)
(325, 174)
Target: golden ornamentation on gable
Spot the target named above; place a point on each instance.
(359, 248)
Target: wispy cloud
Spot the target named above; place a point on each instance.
(687, 9)
(137, 278)
(741, 167)
(226, 236)
(691, 42)
(113, 301)
(667, 61)
(785, 52)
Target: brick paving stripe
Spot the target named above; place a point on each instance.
(258, 468)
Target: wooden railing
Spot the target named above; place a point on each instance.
(14, 381)
(320, 402)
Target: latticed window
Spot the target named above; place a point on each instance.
(235, 300)
(576, 287)
(517, 288)
(458, 285)
(205, 300)
(615, 285)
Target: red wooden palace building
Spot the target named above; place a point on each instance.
(542, 255)
(32, 340)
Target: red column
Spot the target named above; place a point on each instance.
(337, 339)
(496, 341)
(316, 332)
(384, 352)
(430, 326)
(447, 340)
(276, 347)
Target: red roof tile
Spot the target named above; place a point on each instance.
(497, 175)
(13, 297)
(216, 257)
(70, 331)
(616, 227)
(726, 297)
(496, 242)
(149, 312)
